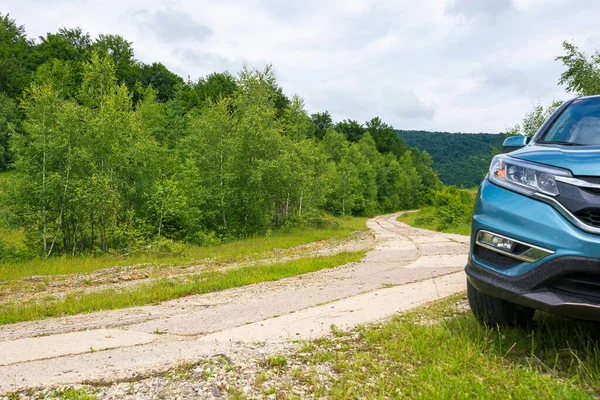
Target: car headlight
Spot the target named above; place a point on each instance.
(525, 177)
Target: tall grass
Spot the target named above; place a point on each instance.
(225, 252)
(443, 353)
(167, 289)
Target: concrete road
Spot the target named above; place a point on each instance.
(408, 267)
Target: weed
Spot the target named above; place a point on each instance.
(453, 356)
(167, 288)
(261, 378)
(194, 255)
(71, 393)
(276, 362)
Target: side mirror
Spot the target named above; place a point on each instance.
(514, 143)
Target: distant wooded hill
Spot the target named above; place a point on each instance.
(460, 159)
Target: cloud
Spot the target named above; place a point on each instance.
(449, 65)
(172, 25)
(523, 81)
(211, 61)
(503, 77)
(476, 8)
(408, 106)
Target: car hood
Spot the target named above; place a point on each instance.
(581, 161)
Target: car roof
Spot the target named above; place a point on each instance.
(588, 97)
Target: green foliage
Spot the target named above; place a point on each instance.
(322, 121)
(160, 78)
(16, 56)
(66, 45)
(121, 52)
(114, 156)
(227, 251)
(582, 76)
(460, 159)
(10, 121)
(453, 207)
(450, 211)
(533, 120)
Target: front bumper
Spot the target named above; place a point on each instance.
(564, 283)
(548, 288)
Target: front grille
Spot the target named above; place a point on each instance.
(590, 216)
(580, 284)
(495, 259)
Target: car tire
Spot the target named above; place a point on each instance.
(493, 311)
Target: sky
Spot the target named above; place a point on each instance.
(445, 65)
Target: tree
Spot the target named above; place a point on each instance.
(257, 140)
(216, 86)
(65, 76)
(385, 137)
(127, 69)
(346, 188)
(67, 44)
(336, 146)
(160, 78)
(41, 167)
(16, 61)
(409, 182)
(295, 121)
(460, 159)
(582, 76)
(322, 122)
(209, 144)
(533, 120)
(351, 129)
(111, 155)
(10, 121)
(428, 177)
(210, 88)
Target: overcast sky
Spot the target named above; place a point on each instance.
(450, 65)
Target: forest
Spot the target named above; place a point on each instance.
(106, 154)
(460, 159)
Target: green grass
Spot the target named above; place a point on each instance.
(167, 289)
(442, 353)
(226, 252)
(425, 218)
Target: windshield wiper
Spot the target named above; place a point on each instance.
(561, 143)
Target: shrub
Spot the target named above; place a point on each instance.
(453, 207)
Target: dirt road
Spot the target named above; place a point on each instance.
(407, 268)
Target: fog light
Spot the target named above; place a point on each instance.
(496, 241)
(510, 247)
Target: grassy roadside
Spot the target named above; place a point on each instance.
(426, 219)
(450, 210)
(167, 289)
(339, 228)
(441, 352)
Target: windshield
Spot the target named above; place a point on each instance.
(579, 124)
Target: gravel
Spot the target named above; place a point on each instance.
(250, 371)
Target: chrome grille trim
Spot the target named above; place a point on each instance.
(577, 182)
(566, 213)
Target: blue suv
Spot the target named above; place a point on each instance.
(535, 241)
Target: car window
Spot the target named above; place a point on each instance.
(578, 124)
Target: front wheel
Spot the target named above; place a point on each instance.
(493, 311)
